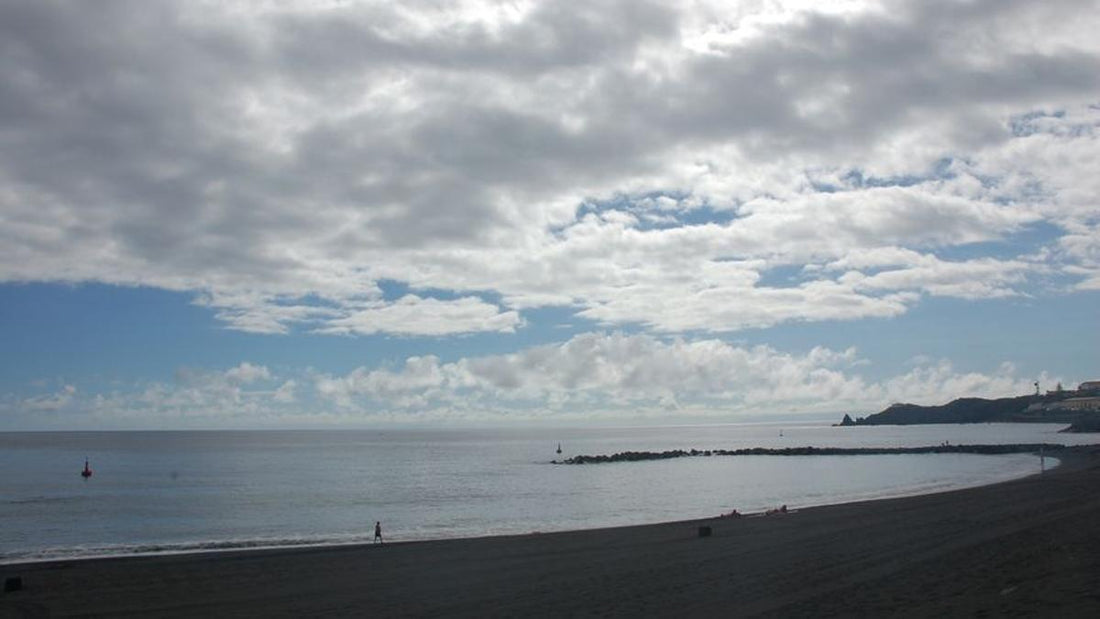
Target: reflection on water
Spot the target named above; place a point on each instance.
(208, 490)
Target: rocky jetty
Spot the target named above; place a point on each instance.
(637, 456)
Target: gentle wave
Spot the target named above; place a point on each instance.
(148, 549)
(34, 500)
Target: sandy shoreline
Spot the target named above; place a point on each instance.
(1024, 547)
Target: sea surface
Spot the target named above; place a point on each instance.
(162, 492)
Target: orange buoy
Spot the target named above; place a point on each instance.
(87, 472)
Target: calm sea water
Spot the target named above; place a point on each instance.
(187, 491)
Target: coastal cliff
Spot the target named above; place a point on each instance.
(1053, 407)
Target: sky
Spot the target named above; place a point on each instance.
(354, 214)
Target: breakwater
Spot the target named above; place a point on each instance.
(638, 456)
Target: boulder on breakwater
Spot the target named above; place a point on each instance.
(637, 456)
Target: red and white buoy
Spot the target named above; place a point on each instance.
(87, 472)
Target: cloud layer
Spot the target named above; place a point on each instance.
(591, 377)
(702, 167)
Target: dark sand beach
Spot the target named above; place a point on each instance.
(1029, 547)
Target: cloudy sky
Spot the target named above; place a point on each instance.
(298, 214)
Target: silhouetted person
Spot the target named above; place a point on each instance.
(378, 533)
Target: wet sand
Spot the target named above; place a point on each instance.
(1029, 547)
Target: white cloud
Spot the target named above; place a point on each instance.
(970, 279)
(246, 373)
(280, 160)
(197, 398)
(413, 315)
(50, 402)
(939, 382)
(590, 377)
(285, 394)
(623, 375)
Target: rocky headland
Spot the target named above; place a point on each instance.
(1079, 407)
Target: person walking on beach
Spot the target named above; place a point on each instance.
(378, 533)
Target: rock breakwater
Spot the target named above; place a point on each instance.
(638, 456)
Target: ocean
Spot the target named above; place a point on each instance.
(185, 491)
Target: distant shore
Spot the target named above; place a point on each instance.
(1028, 547)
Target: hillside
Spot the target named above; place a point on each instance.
(1028, 408)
